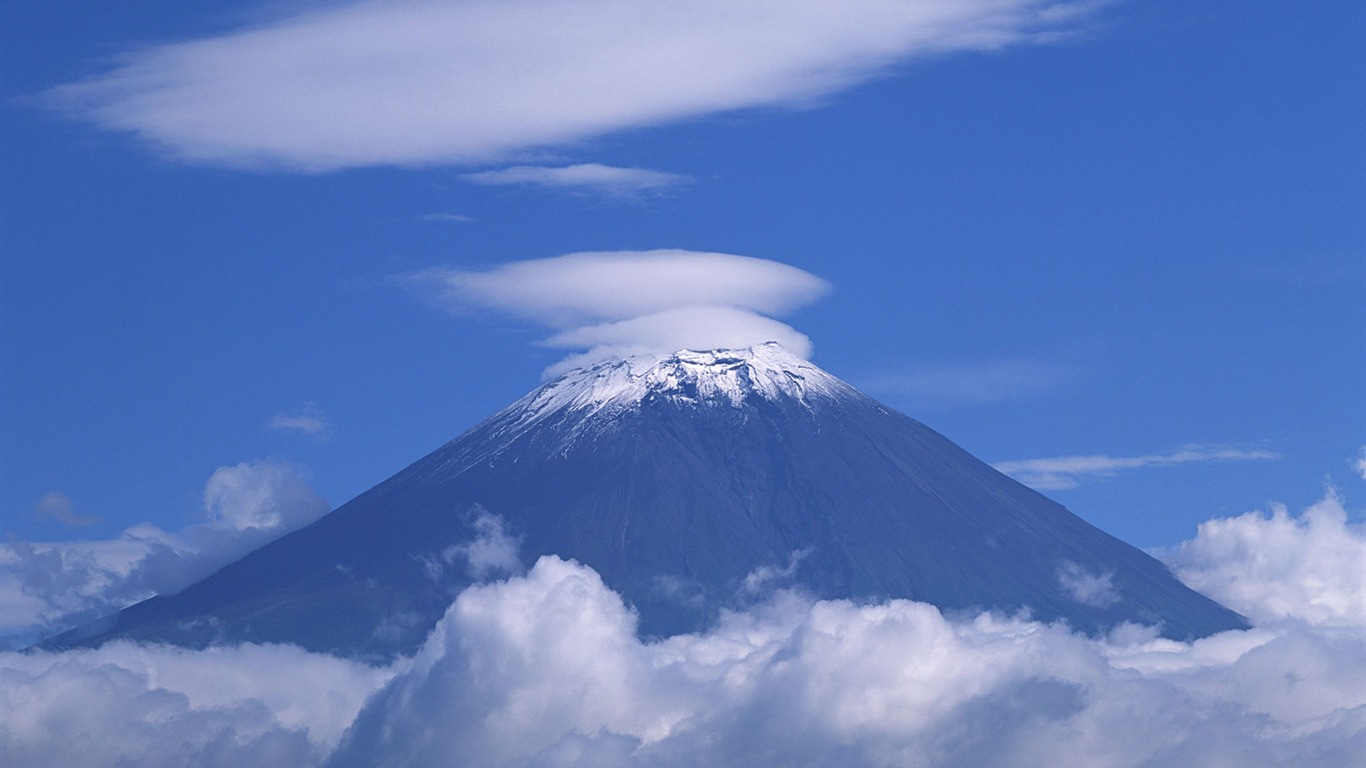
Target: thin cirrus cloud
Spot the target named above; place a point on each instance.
(309, 420)
(979, 383)
(1065, 472)
(544, 668)
(420, 82)
(583, 177)
(622, 303)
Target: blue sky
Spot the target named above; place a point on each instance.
(1134, 231)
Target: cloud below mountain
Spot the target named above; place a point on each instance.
(545, 669)
(49, 587)
(414, 82)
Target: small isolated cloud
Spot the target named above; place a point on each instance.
(416, 82)
(56, 505)
(1359, 464)
(1310, 567)
(308, 420)
(1064, 472)
(450, 218)
(48, 587)
(1093, 589)
(586, 177)
(992, 381)
(492, 552)
(621, 303)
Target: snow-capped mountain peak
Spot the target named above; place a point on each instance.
(728, 376)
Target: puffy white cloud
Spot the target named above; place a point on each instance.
(1064, 472)
(546, 669)
(46, 587)
(623, 303)
(413, 82)
(1310, 567)
(588, 177)
(125, 704)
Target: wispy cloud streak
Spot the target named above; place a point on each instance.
(310, 420)
(1065, 472)
(583, 177)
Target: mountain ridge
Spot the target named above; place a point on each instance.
(675, 477)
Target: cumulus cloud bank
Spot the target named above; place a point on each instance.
(545, 669)
(1064, 472)
(623, 303)
(48, 587)
(155, 706)
(1278, 566)
(411, 82)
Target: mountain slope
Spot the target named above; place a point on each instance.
(676, 478)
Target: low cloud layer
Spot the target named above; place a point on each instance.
(1064, 472)
(545, 669)
(165, 707)
(622, 303)
(48, 587)
(413, 82)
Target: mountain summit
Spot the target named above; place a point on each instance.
(690, 482)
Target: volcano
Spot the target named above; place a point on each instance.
(691, 483)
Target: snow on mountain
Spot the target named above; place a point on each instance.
(688, 481)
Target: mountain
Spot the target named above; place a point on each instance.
(682, 480)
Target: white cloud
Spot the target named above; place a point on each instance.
(309, 420)
(454, 218)
(545, 669)
(493, 551)
(1310, 567)
(621, 303)
(47, 587)
(1359, 464)
(1064, 472)
(991, 381)
(1094, 589)
(411, 82)
(125, 704)
(590, 177)
(56, 505)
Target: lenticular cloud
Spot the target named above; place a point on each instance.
(546, 669)
(414, 82)
(617, 304)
